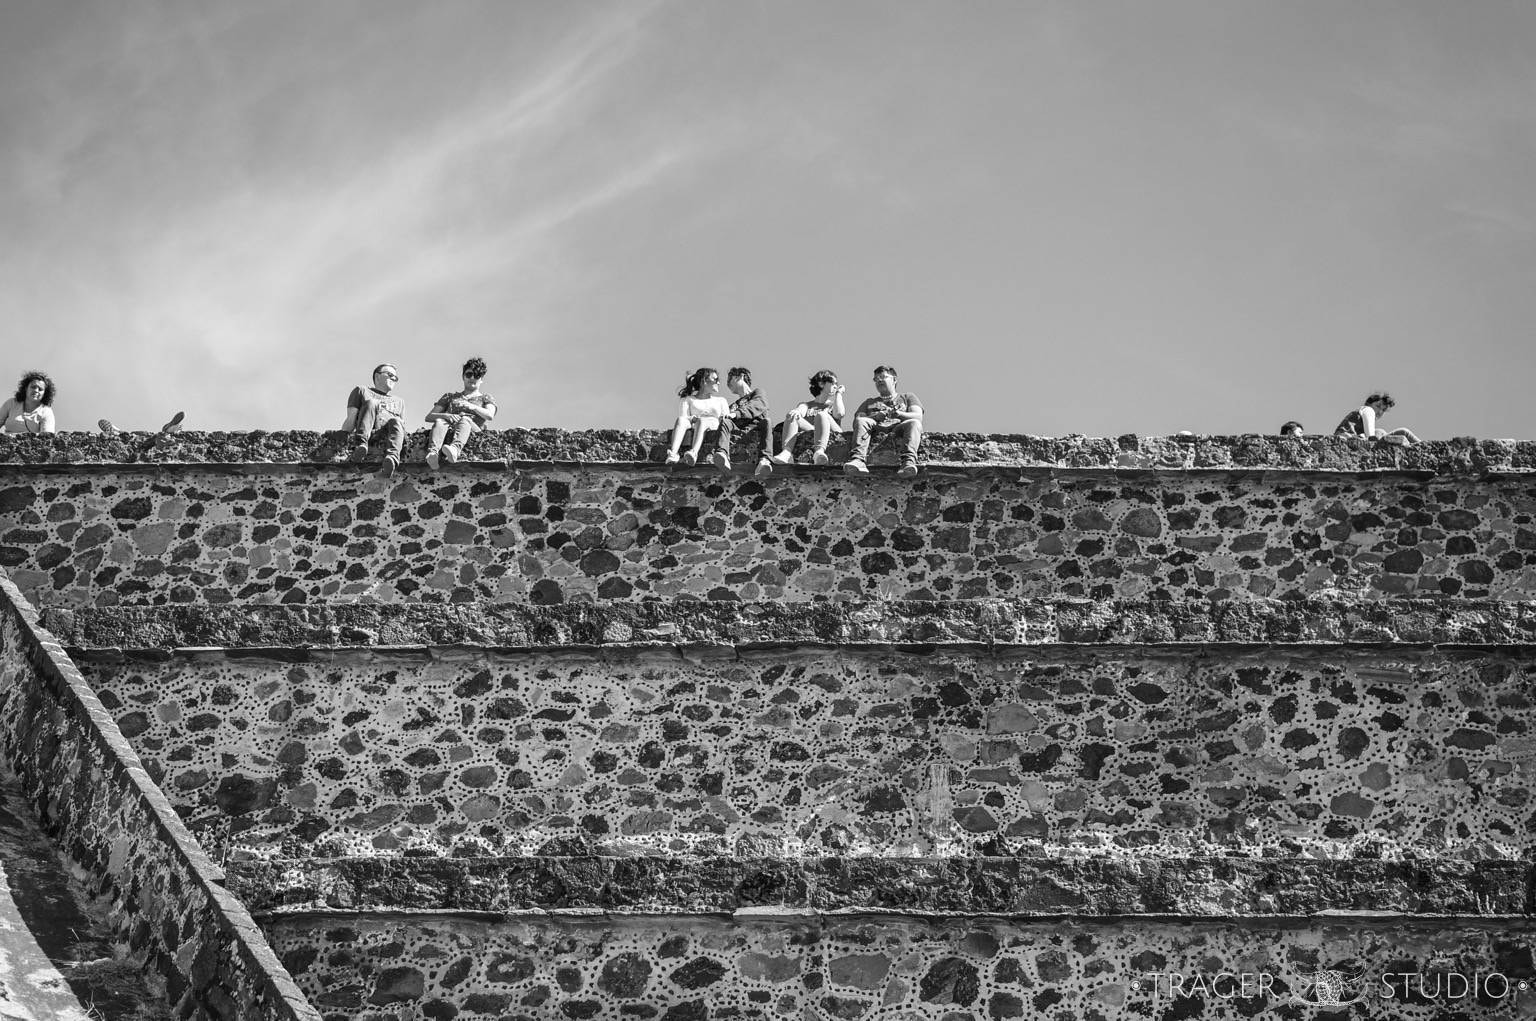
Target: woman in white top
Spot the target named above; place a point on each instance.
(31, 409)
(700, 409)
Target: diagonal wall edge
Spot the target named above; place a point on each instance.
(92, 796)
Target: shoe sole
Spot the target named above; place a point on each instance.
(855, 469)
(451, 457)
(819, 458)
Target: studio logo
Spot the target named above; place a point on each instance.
(1333, 989)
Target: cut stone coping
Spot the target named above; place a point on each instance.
(500, 448)
(1191, 887)
(983, 622)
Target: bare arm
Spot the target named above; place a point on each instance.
(1368, 421)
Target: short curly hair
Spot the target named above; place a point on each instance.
(1383, 398)
(820, 380)
(49, 390)
(475, 367)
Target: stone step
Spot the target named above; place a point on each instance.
(1196, 887)
(823, 966)
(299, 629)
(859, 751)
(95, 535)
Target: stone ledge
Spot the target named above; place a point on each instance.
(1190, 887)
(999, 622)
(1460, 456)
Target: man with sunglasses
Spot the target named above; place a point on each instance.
(374, 413)
(463, 412)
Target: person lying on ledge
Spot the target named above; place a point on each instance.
(749, 414)
(30, 409)
(1362, 421)
(890, 411)
(374, 413)
(821, 416)
(465, 412)
(701, 409)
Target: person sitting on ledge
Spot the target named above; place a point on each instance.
(1291, 428)
(464, 412)
(891, 411)
(701, 409)
(1362, 421)
(30, 410)
(749, 413)
(375, 413)
(821, 416)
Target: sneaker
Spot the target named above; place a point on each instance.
(907, 469)
(434, 460)
(359, 451)
(688, 459)
(784, 457)
(106, 426)
(722, 460)
(856, 467)
(387, 469)
(820, 457)
(764, 467)
(174, 425)
(671, 458)
(450, 453)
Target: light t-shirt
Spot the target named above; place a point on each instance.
(19, 420)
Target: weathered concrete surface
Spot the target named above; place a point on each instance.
(909, 968)
(1464, 455)
(57, 960)
(572, 533)
(870, 752)
(164, 899)
(1194, 887)
(297, 629)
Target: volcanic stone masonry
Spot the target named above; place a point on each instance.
(1061, 728)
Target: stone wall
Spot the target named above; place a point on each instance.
(891, 967)
(94, 800)
(109, 536)
(852, 752)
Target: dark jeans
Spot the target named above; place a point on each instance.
(909, 430)
(754, 429)
(368, 431)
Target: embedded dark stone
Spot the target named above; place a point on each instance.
(1407, 561)
(1142, 522)
(510, 968)
(625, 975)
(238, 794)
(398, 985)
(15, 498)
(950, 980)
(1041, 761)
(698, 973)
(133, 509)
(1353, 741)
(599, 561)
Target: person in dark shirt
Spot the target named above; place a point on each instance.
(374, 413)
(749, 414)
(460, 412)
(890, 411)
(1362, 421)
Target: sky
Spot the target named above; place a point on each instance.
(1051, 217)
